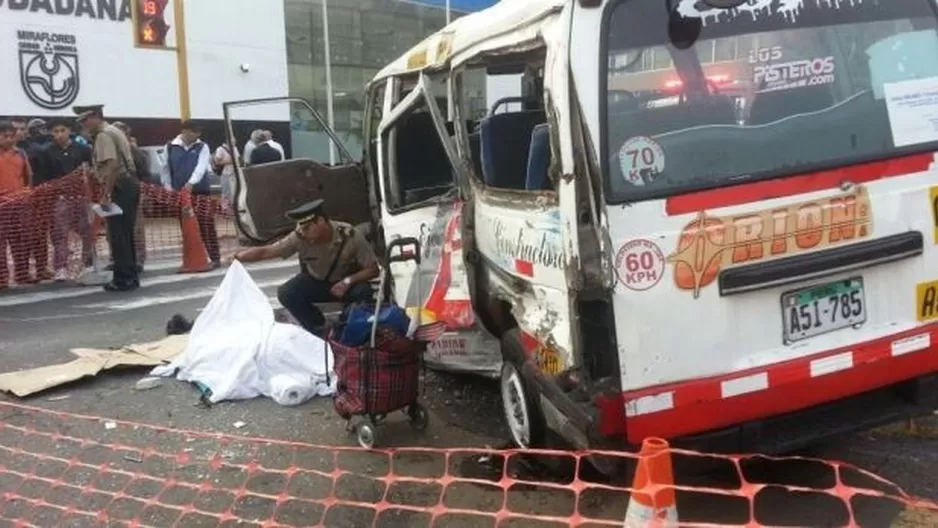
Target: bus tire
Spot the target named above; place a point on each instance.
(519, 402)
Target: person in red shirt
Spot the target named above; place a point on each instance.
(15, 175)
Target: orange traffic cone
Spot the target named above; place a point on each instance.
(653, 498)
(194, 256)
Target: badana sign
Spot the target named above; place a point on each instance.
(113, 10)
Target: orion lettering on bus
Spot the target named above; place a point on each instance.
(709, 244)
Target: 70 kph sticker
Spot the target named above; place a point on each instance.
(640, 265)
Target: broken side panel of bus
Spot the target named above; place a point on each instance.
(518, 237)
(417, 172)
(770, 183)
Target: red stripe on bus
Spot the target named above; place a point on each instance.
(790, 186)
(709, 404)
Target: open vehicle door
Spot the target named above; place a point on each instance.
(312, 169)
(418, 170)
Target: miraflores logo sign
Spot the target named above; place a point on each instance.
(49, 68)
(48, 62)
(113, 10)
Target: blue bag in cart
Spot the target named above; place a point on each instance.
(360, 319)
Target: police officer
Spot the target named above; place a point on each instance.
(337, 263)
(114, 168)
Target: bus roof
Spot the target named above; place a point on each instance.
(504, 21)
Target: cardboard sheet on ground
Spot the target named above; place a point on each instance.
(238, 351)
(90, 362)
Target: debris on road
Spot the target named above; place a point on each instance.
(148, 383)
(89, 363)
(178, 325)
(910, 518)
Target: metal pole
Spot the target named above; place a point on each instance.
(450, 111)
(182, 59)
(330, 111)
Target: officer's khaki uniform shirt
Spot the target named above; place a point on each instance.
(110, 144)
(317, 258)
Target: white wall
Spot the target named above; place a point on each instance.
(222, 35)
(500, 86)
(132, 82)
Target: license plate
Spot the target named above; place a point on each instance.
(823, 308)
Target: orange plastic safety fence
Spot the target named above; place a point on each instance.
(61, 469)
(49, 231)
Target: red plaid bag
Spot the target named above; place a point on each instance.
(376, 380)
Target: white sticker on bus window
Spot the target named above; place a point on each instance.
(642, 160)
(790, 10)
(770, 77)
(913, 110)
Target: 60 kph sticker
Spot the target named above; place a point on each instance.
(640, 265)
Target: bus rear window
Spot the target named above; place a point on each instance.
(705, 97)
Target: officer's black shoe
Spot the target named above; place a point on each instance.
(115, 286)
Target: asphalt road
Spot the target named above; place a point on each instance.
(39, 324)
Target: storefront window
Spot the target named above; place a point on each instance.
(364, 36)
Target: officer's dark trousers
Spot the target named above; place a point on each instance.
(299, 294)
(120, 228)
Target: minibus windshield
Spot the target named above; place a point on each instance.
(698, 97)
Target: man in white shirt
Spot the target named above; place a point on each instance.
(252, 143)
(258, 138)
(186, 163)
(266, 151)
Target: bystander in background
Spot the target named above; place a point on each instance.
(185, 167)
(267, 150)
(223, 164)
(252, 143)
(65, 205)
(15, 208)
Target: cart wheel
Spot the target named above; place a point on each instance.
(419, 419)
(367, 436)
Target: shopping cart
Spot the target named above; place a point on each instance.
(382, 376)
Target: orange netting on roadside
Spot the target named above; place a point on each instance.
(49, 231)
(62, 469)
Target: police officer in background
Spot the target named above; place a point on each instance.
(114, 169)
(337, 263)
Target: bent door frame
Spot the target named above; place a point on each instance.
(439, 284)
(243, 218)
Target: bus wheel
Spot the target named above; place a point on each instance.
(519, 404)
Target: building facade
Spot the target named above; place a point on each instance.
(59, 53)
(363, 36)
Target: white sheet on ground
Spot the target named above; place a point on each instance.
(239, 352)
